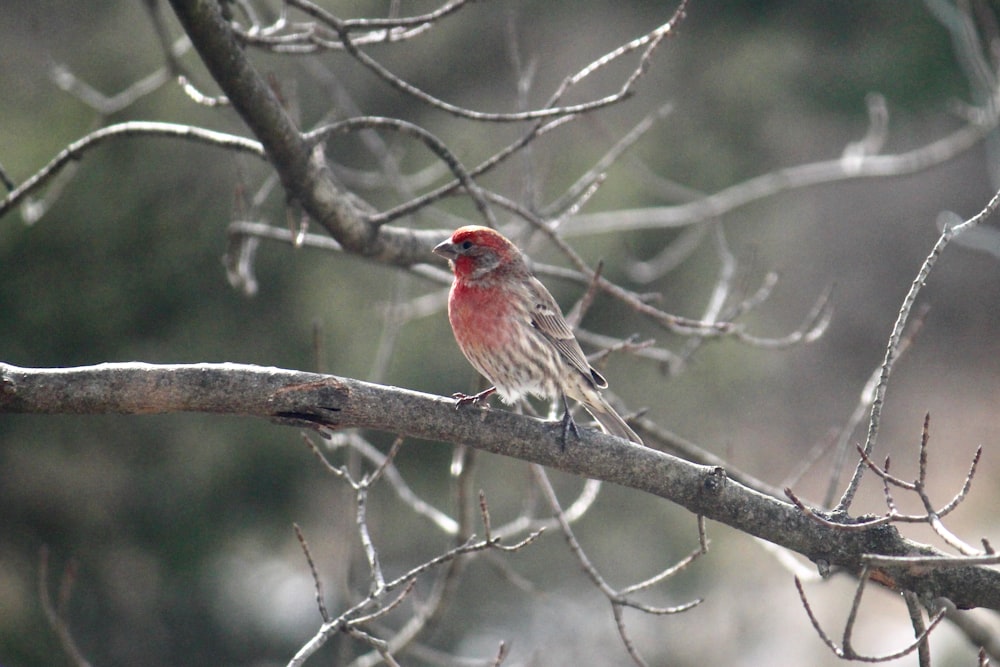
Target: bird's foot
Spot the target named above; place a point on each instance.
(568, 425)
(475, 399)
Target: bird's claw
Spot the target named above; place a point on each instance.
(464, 399)
(475, 399)
(568, 424)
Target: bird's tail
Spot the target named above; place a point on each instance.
(610, 421)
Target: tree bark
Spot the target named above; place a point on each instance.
(301, 166)
(325, 401)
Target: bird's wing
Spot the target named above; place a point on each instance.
(547, 319)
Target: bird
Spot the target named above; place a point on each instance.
(512, 331)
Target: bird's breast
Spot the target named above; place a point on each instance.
(480, 315)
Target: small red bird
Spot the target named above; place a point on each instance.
(511, 330)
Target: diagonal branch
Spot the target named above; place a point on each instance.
(648, 43)
(784, 180)
(299, 163)
(297, 398)
(896, 340)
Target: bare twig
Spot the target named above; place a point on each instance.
(846, 650)
(618, 599)
(5, 178)
(895, 338)
(373, 607)
(577, 510)
(290, 37)
(574, 193)
(919, 486)
(977, 630)
(701, 550)
(317, 583)
(381, 646)
(579, 310)
(395, 480)
(106, 105)
(863, 405)
(409, 129)
(78, 148)
(55, 614)
(968, 555)
(784, 180)
(647, 43)
(915, 611)
(374, 566)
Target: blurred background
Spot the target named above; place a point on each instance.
(180, 525)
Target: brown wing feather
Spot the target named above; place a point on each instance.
(548, 320)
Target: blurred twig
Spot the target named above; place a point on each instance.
(55, 613)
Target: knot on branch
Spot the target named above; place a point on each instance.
(8, 388)
(715, 481)
(316, 403)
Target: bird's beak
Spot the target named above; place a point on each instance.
(447, 250)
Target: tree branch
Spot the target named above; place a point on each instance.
(301, 166)
(309, 399)
(134, 128)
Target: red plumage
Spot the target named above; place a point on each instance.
(511, 330)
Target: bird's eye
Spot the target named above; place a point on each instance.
(466, 245)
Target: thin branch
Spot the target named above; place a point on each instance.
(895, 338)
(978, 631)
(5, 178)
(667, 259)
(341, 472)
(55, 614)
(431, 656)
(931, 561)
(784, 180)
(617, 612)
(865, 398)
(418, 203)
(374, 566)
(931, 516)
(618, 599)
(647, 43)
(674, 323)
(409, 129)
(242, 229)
(317, 583)
(966, 486)
(131, 129)
(561, 205)
(106, 105)
(576, 511)
(303, 38)
(862, 525)
(700, 550)
(381, 646)
(915, 611)
(846, 651)
(352, 617)
(579, 310)
(444, 10)
(386, 609)
(391, 473)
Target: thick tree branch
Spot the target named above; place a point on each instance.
(311, 399)
(300, 164)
